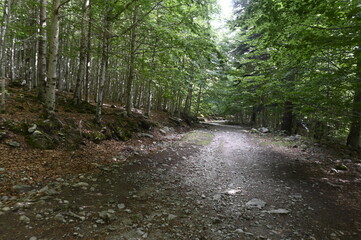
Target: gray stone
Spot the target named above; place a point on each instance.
(107, 215)
(24, 219)
(264, 130)
(4, 198)
(22, 188)
(255, 203)
(148, 135)
(14, 144)
(162, 131)
(6, 209)
(81, 184)
(171, 217)
(2, 169)
(279, 211)
(40, 140)
(33, 238)
(59, 217)
(32, 128)
(121, 206)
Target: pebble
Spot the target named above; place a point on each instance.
(6, 209)
(24, 219)
(279, 211)
(256, 203)
(59, 217)
(121, 206)
(81, 184)
(171, 217)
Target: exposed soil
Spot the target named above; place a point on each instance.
(199, 188)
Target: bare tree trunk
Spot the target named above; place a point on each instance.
(83, 52)
(287, 120)
(53, 61)
(42, 50)
(88, 58)
(353, 138)
(4, 29)
(128, 92)
(188, 103)
(199, 99)
(103, 65)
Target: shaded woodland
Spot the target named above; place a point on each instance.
(286, 65)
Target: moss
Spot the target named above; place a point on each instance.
(122, 134)
(96, 136)
(198, 138)
(17, 127)
(40, 140)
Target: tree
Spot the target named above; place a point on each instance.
(4, 30)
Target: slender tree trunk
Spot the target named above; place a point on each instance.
(287, 119)
(254, 116)
(188, 103)
(83, 52)
(199, 99)
(131, 67)
(42, 50)
(103, 65)
(53, 61)
(88, 58)
(4, 29)
(353, 138)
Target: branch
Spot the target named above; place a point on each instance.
(138, 21)
(62, 4)
(123, 10)
(324, 28)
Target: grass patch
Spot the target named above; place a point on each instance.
(198, 138)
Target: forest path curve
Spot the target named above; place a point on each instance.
(220, 182)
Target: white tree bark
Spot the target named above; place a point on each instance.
(104, 64)
(42, 50)
(4, 29)
(53, 60)
(83, 52)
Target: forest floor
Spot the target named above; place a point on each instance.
(217, 182)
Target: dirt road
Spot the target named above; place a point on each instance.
(220, 182)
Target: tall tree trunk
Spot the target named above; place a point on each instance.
(88, 58)
(4, 29)
(83, 52)
(131, 66)
(42, 50)
(188, 103)
(103, 64)
(199, 99)
(353, 138)
(53, 60)
(287, 119)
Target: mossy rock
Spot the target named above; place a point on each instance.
(122, 134)
(3, 135)
(40, 140)
(49, 126)
(96, 137)
(17, 127)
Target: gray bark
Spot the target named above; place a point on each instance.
(83, 52)
(53, 61)
(4, 29)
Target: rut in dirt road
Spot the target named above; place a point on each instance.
(218, 183)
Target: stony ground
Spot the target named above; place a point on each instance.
(219, 182)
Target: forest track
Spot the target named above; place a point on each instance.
(220, 182)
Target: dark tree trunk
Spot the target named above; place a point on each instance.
(287, 119)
